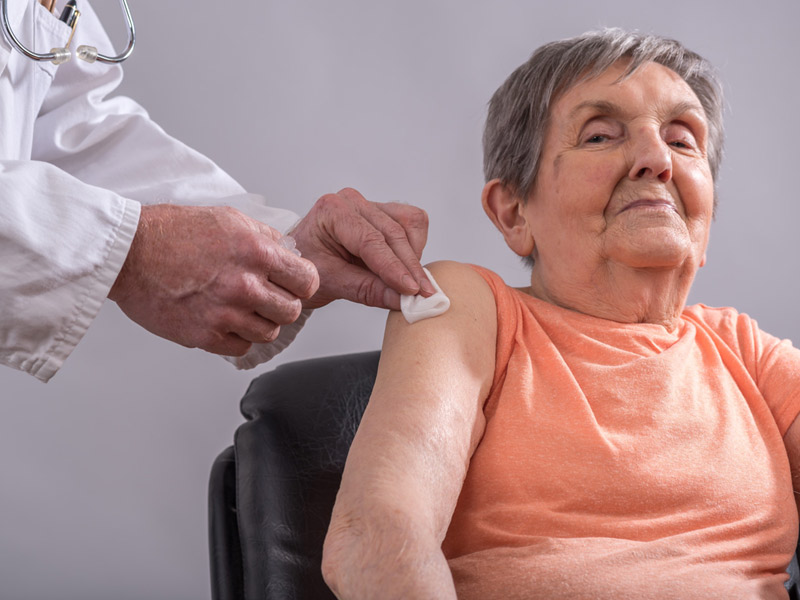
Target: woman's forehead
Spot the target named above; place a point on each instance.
(651, 85)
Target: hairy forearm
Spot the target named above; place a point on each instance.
(387, 556)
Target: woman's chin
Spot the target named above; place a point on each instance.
(651, 249)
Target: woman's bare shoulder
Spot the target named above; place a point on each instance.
(459, 343)
(453, 268)
(472, 315)
(466, 288)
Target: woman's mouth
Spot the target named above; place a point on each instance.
(650, 203)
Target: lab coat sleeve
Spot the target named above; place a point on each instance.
(94, 159)
(62, 243)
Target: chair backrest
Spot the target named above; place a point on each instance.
(272, 493)
(290, 455)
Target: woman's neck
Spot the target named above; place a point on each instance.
(618, 293)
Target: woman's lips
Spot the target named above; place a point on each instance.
(650, 203)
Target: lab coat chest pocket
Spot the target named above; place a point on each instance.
(24, 83)
(48, 33)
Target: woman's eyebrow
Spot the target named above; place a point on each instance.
(687, 107)
(603, 107)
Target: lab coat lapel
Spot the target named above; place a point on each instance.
(16, 10)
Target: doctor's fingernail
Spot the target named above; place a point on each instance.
(410, 283)
(427, 287)
(391, 299)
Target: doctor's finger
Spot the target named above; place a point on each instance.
(291, 272)
(229, 344)
(252, 292)
(254, 328)
(278, 305)
(357, 284)
(413, 219)
(405, 231)
(386, 250)
(407, 247)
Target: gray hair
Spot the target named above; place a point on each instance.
(520, 108)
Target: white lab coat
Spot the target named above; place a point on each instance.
(74, 168)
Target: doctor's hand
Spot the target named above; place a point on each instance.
(364, 251)
(211, 278)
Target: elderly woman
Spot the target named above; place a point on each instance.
(588, 436)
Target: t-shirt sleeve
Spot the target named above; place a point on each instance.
(773, 364)
(507, 317)
(778, 379)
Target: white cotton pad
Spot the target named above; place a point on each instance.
(416, 308)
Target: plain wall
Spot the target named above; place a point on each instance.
(103, 471)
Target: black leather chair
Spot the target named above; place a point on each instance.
(272, 492)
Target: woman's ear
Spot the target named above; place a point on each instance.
(504, 208)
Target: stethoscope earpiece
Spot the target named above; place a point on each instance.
(60, 55)
(87, 53)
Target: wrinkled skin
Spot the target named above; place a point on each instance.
(215, 279)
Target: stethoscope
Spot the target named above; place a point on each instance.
(59, 55)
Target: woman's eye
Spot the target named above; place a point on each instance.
(599, 130)
(679, 136)
(599, 138)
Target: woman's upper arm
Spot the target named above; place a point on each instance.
(425, 417)
(792, 442)
(778, 378)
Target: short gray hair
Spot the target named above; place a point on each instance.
(519, 110)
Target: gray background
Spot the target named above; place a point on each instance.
(103, 471)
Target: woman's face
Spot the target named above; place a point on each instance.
(624, 176)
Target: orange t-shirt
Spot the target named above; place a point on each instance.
(625, 461)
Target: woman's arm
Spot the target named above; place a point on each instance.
(792, 442)
(409, 458)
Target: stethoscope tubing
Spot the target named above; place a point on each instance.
(52, 56)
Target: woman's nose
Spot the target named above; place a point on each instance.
(652, 158)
